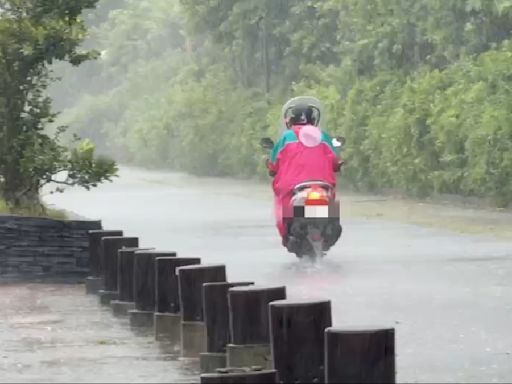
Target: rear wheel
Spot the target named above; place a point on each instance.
(306, 239)
(311, 251)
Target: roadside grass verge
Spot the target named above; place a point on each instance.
(33, 211)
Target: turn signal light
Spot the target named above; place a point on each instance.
(314, 195)
(316, 198)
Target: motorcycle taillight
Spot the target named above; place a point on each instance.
(317, 196)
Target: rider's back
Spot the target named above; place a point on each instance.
(298, 163)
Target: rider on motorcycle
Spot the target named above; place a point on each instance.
(303, 153)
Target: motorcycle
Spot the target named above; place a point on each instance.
(312, 220)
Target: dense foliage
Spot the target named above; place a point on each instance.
(421, 89)
(34, 34)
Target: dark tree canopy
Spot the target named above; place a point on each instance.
(33, 35)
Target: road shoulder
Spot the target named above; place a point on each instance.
(447, 215)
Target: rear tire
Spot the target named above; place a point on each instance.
(308, 252)
(299, 244)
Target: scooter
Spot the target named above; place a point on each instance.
(312, 219)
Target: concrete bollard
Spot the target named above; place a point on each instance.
(297, 331)
(190, 287)
(109, 252)
(125, 301)
(240, 376)
(167, 316)
(249, 325)
(216, 318)
(142, 317)
(94, 283)
(360, 355)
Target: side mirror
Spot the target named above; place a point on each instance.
(267, 143)
(338, 141)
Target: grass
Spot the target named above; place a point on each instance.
(32, 211)
(467, 220)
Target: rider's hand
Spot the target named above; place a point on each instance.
(270, 171)
(339, 165)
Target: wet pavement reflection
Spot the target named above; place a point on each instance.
(55, 333)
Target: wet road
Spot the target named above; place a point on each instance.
(53, 333)
(449, 296)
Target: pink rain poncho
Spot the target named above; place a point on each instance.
(303, 153)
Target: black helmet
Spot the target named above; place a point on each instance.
(301, 115)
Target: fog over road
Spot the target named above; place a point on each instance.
(448, 295)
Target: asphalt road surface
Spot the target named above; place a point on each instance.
(449, 296)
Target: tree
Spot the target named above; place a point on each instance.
(33, 35)
(420, 89)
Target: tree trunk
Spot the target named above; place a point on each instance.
(16, 191)
(265, 56)
(13, 185)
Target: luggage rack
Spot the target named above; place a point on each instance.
(302, 186)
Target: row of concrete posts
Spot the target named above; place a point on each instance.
(239, 331)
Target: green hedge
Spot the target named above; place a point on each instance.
(436, 132)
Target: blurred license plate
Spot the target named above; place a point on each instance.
(316, 211)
